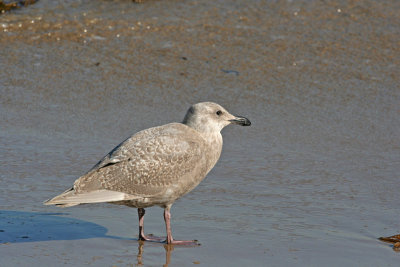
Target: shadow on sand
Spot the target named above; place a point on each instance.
(21, 226)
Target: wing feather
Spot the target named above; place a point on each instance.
(71, 198)
(147, 163)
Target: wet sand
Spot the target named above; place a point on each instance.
(314, 180)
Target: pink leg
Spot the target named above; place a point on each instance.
(142, 236)
(170, 240)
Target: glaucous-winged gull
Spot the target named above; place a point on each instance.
(156, 166)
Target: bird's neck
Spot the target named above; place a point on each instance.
(212, 138)
(214, 142)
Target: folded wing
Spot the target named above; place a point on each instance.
(143, 166)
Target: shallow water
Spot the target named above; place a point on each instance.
(313, 181)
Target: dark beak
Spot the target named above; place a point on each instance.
(241, 121)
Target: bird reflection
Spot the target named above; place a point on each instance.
(140, 253)
(168, 251)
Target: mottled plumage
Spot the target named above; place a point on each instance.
(155, 166)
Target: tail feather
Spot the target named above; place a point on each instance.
(71, 198)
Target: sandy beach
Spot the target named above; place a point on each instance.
(313, 182)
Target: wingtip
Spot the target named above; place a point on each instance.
(55, 200)
(70, 198)
(58, 204)
(46, 202)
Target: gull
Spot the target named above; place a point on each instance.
(156, 166)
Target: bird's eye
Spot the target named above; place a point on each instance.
(219, 112)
